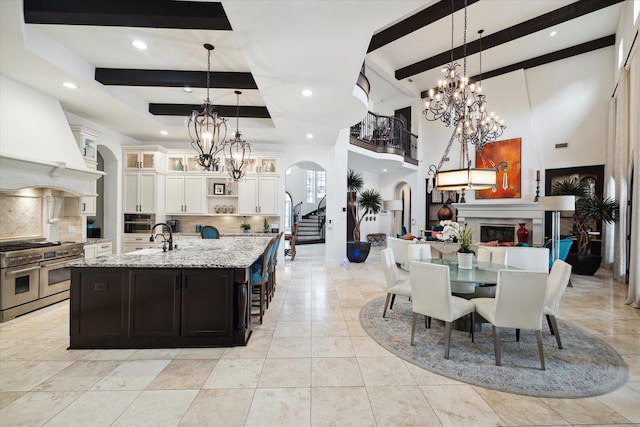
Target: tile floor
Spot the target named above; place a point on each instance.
(309, 364)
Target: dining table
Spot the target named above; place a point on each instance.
(467, 282)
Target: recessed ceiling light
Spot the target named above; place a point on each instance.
(70, 85)
(553, 33)
(309, 136)
(139, 44)
(187, 89)
(307, 92)
(164, 132)
(384, 170)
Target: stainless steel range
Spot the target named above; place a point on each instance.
(34, 274)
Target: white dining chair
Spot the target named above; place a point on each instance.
(494, 254)
(519, 303)
(420, 251)
(396, 284)
(526, 258)
(558, 280)
(431, 290)
(483, 254)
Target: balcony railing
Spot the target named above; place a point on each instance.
(385, 134)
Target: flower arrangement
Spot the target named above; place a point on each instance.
(453, 230)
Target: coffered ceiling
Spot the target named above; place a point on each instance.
(272, 50)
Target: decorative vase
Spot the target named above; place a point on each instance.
(444, 213)
(246, 230)
(465, 260)
(522, 233)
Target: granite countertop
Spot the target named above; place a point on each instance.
(226, 252)
(92, 241)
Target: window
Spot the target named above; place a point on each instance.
(309, 185)
(287, 211)
(321, 184)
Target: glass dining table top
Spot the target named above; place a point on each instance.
(481, 273)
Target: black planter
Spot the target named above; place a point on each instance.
(358, 251)
(585, 265)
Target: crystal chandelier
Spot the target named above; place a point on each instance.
(206, 129)
(463, 106)
(237, 151)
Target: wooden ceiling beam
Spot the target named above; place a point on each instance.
(545, 59)
(172, 78)
(531, 26)
(229, 111)
(192, 15)
(415, 22)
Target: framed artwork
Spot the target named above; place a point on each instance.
(218, 189)
(505, 156)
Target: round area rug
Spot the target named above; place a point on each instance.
(586, 366)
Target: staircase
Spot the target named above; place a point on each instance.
(308, 231)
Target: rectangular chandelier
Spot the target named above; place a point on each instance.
(465, 179)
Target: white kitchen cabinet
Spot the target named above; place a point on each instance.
(140, 192)
(86, 139)
(140, 160)
(84, 205)
(94, 250)
(184, 194)
(136, 241)
(258, 195)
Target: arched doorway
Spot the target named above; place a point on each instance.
(402, 220)
(305, 201)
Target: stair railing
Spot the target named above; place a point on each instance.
(322, 215)
(296, 212)
(385, 131)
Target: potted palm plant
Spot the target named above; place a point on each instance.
(361, 202)
(589, 212)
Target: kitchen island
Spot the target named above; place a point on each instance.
(197, 295)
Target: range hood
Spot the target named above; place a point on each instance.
(37, 147)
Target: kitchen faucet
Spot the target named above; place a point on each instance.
(165, 240)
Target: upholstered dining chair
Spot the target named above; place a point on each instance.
(271, 283)
(209, 232)
(565, 246)
(558, 279)
(291, 238)
(396, 284)
(494, 254)
(526, 258)
(519, 303)
(431, 290)
(419, 251)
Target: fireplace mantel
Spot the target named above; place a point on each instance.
(476, 214)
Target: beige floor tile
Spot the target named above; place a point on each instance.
(366, 347)
(520, 410)
(346, 406)
(131, 375)
(289, 347)
(335, 328)
(401, 405)
(61, 352)
(286, 373)
(384, 371)
(157, 408)
(460, 405)
(424, 377)
(335, 372)
(225, 407)
(258, 347)
(79, 376)
(585, 411)
(280, 407)
(109, 355)
(36, 408)
(187, 374)
(25, 375)
(201, 353)
(7, 397)
(235, 373)
(292, 329)
(355, 328)
(155, 354)
(625, 401)
(295, 315)
(332, 347)
(94, 408)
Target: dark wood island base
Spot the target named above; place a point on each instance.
(159, 307)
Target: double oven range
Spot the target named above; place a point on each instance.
(34, 274)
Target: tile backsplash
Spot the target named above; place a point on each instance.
(20, 216)
(226, 224)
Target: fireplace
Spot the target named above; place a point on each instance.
(499, 217)
(501, 233)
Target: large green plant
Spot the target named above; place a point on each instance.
(590, 209)
(361, 201)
